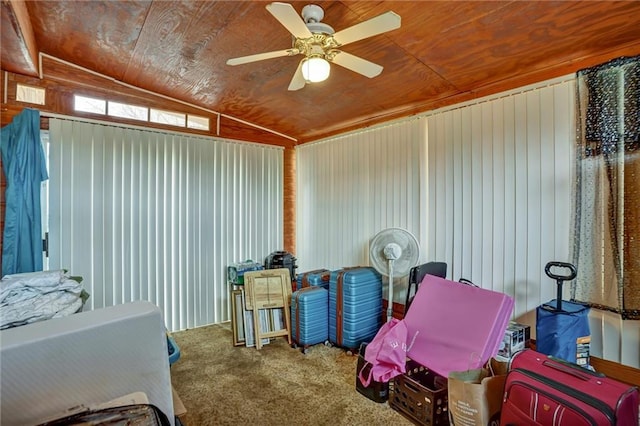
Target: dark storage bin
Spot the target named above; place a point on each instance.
(282, 259)
(376, 391)
(421, 395)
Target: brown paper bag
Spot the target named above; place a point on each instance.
(475, 396)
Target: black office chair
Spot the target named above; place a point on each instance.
(416, 275)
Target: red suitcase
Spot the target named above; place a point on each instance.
(542, 390)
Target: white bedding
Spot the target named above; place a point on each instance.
(36, 296)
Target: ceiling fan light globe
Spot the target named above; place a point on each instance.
(315, 69)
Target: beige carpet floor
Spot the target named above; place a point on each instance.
(220, 384)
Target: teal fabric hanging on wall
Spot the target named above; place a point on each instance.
(25, 168)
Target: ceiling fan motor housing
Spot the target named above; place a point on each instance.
(312, 13)
(320, 28)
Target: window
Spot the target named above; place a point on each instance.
(133, 112)
(30, 94)
(92, 105)
(196, 122)
(166, 117)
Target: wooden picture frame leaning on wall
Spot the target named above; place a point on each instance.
(237, 315)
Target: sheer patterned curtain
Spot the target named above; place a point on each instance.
(607, 231)
(146, 215)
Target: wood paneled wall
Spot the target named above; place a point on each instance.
(7, 112)
(289, 191)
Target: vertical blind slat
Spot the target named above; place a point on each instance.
(505, 174)
(353, 186)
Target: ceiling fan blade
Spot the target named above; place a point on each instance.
(262, 56)
(287, 16)
(298, 81)
(380, 24)
(357, 64)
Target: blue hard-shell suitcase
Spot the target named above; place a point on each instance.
(317, 277)
(309, 316)
(355, 303)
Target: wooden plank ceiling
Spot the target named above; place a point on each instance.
(444, 52)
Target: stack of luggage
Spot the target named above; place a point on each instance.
(456, 328)
(340, 308)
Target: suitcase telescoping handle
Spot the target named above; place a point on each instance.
(560, 278)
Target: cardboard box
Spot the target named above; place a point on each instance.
(583, 351)
(178, 407)
(516, 338)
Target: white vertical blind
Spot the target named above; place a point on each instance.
(500, 175)
(352, 186)
(144, 215)
(489, 192)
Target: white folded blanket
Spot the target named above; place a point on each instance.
(36, 296)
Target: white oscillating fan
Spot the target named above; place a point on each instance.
(393, 252)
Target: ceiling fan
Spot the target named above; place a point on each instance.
(320, 44)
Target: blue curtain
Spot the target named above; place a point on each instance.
(25, 168)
